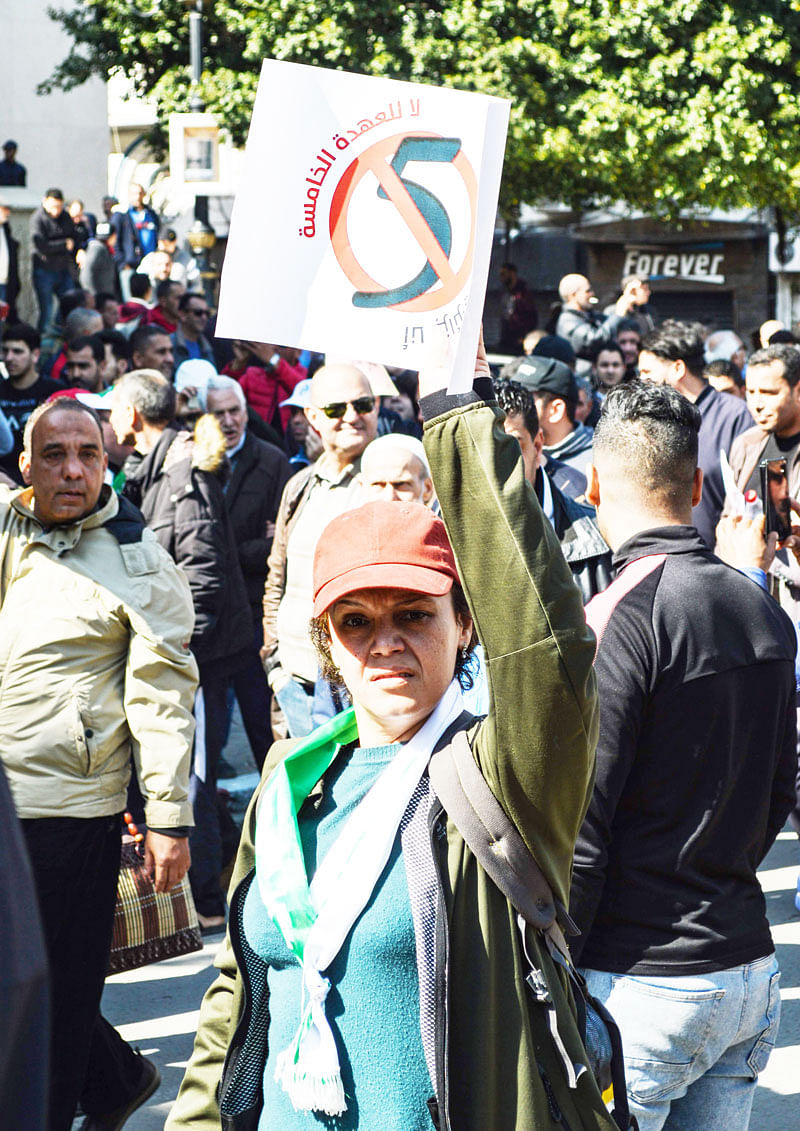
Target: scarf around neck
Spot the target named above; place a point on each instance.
(315, 919)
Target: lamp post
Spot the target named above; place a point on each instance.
(201, 235)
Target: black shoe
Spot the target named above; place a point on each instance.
(151, 1078)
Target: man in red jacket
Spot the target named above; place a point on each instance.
(165, 312)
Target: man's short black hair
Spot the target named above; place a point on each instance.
(606, 347)
(139, 284)
(780, 337)
(22, 332)
(678, 341)
(789, 356)
(120, 346)
(722, 368)
(140, 338)
(652, 430)
(54, 194)
(629, 325)
(187, 297)
(569, 406)
(94, 343)
(71, 301)
(515, 400)
(102, 297)
(164, 287)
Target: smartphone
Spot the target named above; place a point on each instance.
(775, 497)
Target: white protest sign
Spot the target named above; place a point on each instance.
(364, 223)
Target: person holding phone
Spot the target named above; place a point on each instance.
(772, 387)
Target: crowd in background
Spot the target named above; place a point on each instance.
(235, 455)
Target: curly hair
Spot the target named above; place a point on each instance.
(466, 664)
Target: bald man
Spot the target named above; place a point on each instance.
(585, 329)
(344, 413)
(395, 468)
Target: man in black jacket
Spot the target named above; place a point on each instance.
(695, 776)
(674, 355)
(53, 241)
(178, 487)
(252, 497)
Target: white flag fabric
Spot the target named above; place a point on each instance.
(363, 226)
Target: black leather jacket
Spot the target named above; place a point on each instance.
(582, 544)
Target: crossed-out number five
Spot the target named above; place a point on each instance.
(433, 149)
(423, 213)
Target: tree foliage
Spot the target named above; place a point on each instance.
(666, 105)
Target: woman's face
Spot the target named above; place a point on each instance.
(396, 651)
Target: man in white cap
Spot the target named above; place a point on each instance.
(394, 467)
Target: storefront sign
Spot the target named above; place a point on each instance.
(695, 263)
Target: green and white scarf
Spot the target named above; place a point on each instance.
(315, 919)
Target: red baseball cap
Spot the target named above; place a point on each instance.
(383, 545)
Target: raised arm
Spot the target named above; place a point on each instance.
(536, 748)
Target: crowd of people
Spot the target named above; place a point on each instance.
(561, 572)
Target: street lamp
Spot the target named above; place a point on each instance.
(201, 239)
(201, 235)
(196, 103)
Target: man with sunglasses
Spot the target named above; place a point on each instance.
(344, 412)
(189, 341)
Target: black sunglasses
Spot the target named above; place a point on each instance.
(336, 411)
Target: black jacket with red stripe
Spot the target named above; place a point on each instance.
(695, 763)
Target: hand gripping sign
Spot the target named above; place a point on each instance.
(364, 223)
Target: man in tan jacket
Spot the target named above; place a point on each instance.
(344, 412)
(95, 621)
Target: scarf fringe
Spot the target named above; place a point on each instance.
(308, 1090)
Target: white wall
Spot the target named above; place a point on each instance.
(63, 138)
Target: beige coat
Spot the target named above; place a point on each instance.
(94, 665)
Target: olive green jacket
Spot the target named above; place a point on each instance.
(536, 750)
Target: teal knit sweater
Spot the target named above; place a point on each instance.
(373, 1003)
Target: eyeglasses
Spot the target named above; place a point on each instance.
(336, 411)
(199, 313)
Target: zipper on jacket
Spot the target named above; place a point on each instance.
(437, 832)
(556, 1114)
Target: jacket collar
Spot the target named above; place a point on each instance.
(659, 540)
(69, 534)
(150, 467)
(576, 529)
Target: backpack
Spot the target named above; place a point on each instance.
(494, 840)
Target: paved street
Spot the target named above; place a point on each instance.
(156, 1008)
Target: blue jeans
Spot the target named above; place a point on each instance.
(47, 283)
(694, 1045)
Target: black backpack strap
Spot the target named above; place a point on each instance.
(495, 841)
(491, 835)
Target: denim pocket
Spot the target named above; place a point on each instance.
(765, 1042)
(665, 1024)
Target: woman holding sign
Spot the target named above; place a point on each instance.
(375, 975)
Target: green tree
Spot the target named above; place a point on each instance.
(666, 105)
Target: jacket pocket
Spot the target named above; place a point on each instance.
(83, 735)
